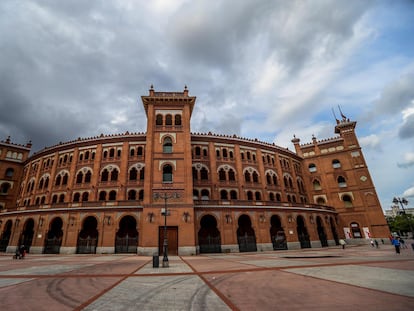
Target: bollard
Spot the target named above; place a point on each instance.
(155, 260)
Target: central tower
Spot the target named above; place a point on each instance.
(168, 170)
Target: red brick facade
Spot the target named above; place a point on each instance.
(107, 194)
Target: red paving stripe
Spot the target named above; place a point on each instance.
(89, 301)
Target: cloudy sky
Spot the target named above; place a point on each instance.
(259, 69)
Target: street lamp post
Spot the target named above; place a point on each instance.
(402, 202)
(165, 197)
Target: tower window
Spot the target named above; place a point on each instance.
(167, 146)
(167, 175)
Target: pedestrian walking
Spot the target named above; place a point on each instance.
(402, 242)
(396, 243)
(372, 243)
(376, 243)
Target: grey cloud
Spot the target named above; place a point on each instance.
(396, 96)
(407, 129)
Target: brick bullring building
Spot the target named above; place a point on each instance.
(207, 193)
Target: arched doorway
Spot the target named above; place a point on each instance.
(209, 238)
(126, 240)
(302, 233)
(245, 235)
(5, 236)
(333, 230)
(88, 236)
(53, 239)
(26, 238)
(277, 234)
(356, 231)
(321, 232)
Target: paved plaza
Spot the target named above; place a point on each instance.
(357, 278)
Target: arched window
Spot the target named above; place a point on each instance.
(105, 154)
(5, 188)
(205, 194)
(268, 179)
(271, 196)
(312, 167)
(258, 196)
(167, 145)
(222, 174)
(131, 152)
(347, 200)
(195, 194)
(79, 178)
(86, 155)
(336, 163)
(168, 119)
(133, 173)
(118, 153)
(231, 154)
(54, 199)
(204, 173)
(46, 182)
(247, 176)
(41, 184)
(76, 197)
(223, 195)
(255, 177)
(177, 119)
(205, 153)
(112, 195)
(158, 120)
(62, 198)
(224, 151)
(111, 152)
(233, 194)
(114, 175)
(140, 151)
(167, 175)
(197, 151)
(274, 177)
(218, 153)
(316, 185)
(278, 197)
(102, 196)
(81, 157)
(105, 175)
(249, 195)
(141, 195)
(85, 196)
(341, 182)
(132, 195)
(232, 175)
(320, 200)
(58, 180)
(9, 172)
(142, 173)
(65, 179)
(88, 177)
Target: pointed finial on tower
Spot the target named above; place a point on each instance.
(342, 115)
(333, 112)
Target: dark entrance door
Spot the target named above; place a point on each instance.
(209, 236)
(53, 239)
(245, 235)
(172, 237)
(126, 240)
(277, 234)
(27, 236)
(321, 232)
(302, 233)
(5, 236)
(88, 237)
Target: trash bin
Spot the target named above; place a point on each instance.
(155, 261)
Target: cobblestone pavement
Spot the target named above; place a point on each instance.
(357, 278)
